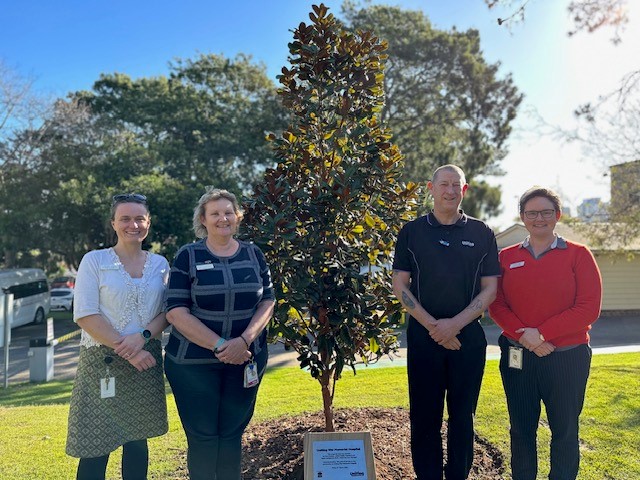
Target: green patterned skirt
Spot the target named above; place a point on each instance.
(98, 426)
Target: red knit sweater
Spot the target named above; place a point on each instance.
(559, 293)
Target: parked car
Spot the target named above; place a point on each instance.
(62, 299)
(63, 282)
(30, 295)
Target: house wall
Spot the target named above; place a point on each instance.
(620, 280)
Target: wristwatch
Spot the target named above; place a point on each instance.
(146, 334)
(542, 338)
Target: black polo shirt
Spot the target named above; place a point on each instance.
(446, 261)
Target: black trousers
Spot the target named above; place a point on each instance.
(436, 374)
(135, 461)
(214, 408)
(559, 380)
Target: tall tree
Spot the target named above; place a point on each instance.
(20, 109)
(204, 123)
(444, 102)
(166, 137)
(333, 204)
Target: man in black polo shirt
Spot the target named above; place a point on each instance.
(445, 273)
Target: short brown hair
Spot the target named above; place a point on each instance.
(537, 191)
(210, 195)
(127, 198)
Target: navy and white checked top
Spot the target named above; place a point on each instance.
(223, 292)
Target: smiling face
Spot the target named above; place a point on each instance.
(220, 219)
(131, 222)
(539, 226)
(447, 188)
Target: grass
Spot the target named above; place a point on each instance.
(34, 419)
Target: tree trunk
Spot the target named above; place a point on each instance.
(327, 399)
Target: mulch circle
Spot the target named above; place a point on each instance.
(274, 449)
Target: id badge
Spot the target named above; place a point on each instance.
(515, 357)
(251, 375)
(107, 387)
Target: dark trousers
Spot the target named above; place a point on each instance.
(559, 380)
(436, 374)
(214, 408)
(135, 461)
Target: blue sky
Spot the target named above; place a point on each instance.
(65, 45)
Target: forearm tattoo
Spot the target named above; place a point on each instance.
(408, 302)
(475, 305)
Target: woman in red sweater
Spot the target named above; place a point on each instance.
(548, 296)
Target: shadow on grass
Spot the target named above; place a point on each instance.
(47, 393)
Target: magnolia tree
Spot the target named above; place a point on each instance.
(328, 215)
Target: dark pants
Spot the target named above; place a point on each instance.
(214, 408)
(559, 380)
(436, 373)
(135, 461)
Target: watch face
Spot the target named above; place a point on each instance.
(146, 334)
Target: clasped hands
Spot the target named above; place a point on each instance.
(130, 347)
(234, 352)
(444, 332)
(530, 339)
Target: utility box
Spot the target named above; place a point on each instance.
(40, 360)
(41, 356)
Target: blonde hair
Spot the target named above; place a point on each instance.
(212, 194)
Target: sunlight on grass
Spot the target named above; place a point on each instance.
(34, 419)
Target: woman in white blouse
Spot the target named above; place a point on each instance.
(118, 397)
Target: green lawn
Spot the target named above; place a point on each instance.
(34, 417)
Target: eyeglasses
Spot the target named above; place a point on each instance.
(129, 197)
(546, 214)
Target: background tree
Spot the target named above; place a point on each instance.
(607, 128)
(167, 137)
(333, 204)
(587, 15)
(444, 102)
(20, 109)
(204, 123)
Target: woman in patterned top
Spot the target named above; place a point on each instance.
(219, 301)
(118, 396)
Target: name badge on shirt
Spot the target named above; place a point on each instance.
(517, 264)
(109, 266)
(204, 266)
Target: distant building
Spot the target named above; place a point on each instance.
(593, 210)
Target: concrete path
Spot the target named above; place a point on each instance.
(611, 334)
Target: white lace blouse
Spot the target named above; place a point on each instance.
(104, 287)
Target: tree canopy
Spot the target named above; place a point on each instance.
(443, 101)
(166, 137)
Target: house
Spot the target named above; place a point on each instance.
(619, 266)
